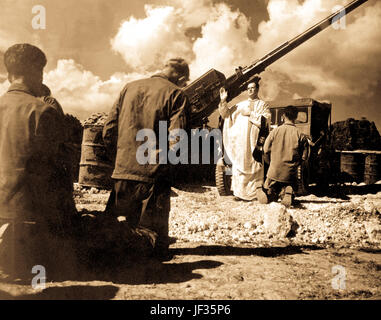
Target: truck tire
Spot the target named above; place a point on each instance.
(223, 181)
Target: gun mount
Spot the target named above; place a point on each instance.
(204, 92)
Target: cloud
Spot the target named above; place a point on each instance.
(5, 42)
(3, 86)
(224, 42)
(146, 43)
(329, 63)
(335, 63)
(81, 92)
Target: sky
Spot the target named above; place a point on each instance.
(94, 47)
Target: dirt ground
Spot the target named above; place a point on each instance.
(224, 250)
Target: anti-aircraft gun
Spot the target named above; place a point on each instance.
(204, 95)
(204, 92)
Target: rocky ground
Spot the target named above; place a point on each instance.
(325, 247)
(348, 218)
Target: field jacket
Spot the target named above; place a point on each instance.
(30, 135)
(284, 144)
(144, 114)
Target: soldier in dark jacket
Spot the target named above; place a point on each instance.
(142, 188)
(31, 133)
(284, 147)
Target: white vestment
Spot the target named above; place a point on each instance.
(240, 136)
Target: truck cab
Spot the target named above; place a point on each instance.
(313, 116)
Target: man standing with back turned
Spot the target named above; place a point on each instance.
(31, 131)
(141, 191)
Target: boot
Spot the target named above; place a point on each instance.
(288, 195)
(261, 196)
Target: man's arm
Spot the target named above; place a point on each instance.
(223, 107)
(267, 146)
(110, 129)
(260, 110)
(48, 134)
(179, 113)
(303, 148)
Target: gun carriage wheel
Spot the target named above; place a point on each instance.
(223, 179)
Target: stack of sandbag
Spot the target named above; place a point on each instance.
(98, 119)
(354, 134)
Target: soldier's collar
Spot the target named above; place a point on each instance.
(20, 87)
(160, 75)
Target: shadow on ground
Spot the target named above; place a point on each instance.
(371, 250)
(140, 271)
(67, 293)
(195, 188)
(242, 251)
(148, 271)
(343, 191)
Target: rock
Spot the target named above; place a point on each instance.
(346, 224)
(203, 226)
(377, 204)
(277, 221)
(238, 277)
(248, 225)
(207, 233)
(369, 207)
(356, 201)
(93, 191)
(214, 227)
(373, 229)
(192, 228)
(258, 230)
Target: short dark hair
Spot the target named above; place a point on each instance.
(291, 112)
(255, 80)
(180, 65)
(20, 58)
(256, 85)
(45, 91)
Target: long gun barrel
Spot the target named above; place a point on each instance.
(204, 92)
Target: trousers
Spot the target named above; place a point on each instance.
(143, 204)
